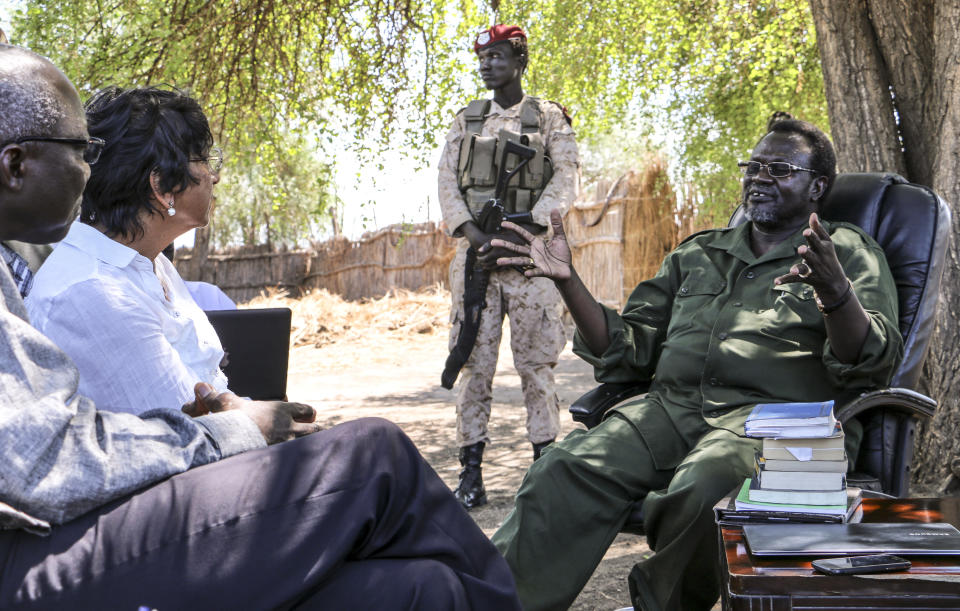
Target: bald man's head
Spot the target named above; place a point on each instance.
(40, 180)
(34, 94)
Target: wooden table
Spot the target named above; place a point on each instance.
(788, 584)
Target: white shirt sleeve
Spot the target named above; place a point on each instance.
(209, 296)
(126, 364)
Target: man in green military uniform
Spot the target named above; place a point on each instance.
(783, 308)
(468, 173)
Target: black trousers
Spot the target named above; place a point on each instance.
(348, 518)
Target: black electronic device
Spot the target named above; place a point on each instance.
(853, 565)
(257, 346)
(823, 540)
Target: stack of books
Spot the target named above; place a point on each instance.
(802, 467)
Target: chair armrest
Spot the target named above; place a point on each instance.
(590, 407)
(874, 494)
(886, 450)
(901, 400)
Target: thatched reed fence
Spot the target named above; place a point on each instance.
(396, 256)
(621, 237)
(403, 256)
(618, 239)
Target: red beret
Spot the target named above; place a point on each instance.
(495, 34)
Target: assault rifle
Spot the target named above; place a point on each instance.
(491, 217)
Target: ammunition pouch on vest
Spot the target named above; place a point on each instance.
(480, 158)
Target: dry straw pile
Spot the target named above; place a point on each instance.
(620, 238)
(321, 318)
(656, 220)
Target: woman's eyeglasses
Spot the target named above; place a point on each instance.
(214, 161)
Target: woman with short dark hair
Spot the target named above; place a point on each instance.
(107, 296)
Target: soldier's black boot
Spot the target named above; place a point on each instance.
(470, 491)
(538, 448)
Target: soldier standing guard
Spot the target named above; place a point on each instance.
(468, 174)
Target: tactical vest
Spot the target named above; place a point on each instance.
(480, 158)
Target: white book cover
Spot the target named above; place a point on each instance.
(801, 480)
(792, 464)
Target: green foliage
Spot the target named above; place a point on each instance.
(275, 194)
(260, 67)
(609, 155)
(263, 70)
(703, 76)
(698, 77)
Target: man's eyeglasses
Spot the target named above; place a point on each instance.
(214, 161)
(776, 169)
(92, 147)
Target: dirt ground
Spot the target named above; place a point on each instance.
(398, 378)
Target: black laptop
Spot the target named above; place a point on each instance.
(257, 346)
(901, 538)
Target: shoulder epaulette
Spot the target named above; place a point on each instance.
(563, 109)
(704, 232)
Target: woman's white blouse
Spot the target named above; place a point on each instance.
(136, 347)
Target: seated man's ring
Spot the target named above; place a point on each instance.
(804, 270)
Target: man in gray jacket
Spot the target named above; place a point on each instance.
(110, 510)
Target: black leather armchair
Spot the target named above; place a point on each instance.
(912, 225)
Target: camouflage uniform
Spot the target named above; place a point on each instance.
(533, 305)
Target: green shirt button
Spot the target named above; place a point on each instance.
(722, 336)
(738, 304)
(713, 381)
(749, 274)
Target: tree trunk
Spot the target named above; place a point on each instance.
(855, 78)
(891, 72)
(939, 441)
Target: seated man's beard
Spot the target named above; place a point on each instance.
(762, 215)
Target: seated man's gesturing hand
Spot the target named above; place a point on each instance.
(846, 321)
(277, 420)
(538, 257)
(490, 253)
(819, 266)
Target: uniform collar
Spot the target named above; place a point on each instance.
(736, 242)
(96, 244)
(496, 109)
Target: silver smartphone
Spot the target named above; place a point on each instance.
(852, 565)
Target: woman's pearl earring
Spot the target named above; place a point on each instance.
(171, 210)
